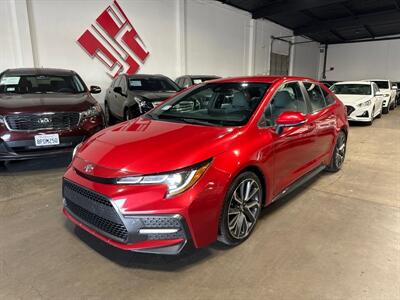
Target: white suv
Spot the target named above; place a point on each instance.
(389, 93)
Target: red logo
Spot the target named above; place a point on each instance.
(115, 42)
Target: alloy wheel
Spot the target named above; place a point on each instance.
(340, 150)
(244, 207)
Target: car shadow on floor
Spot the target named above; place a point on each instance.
(189, 257)
(35, 165)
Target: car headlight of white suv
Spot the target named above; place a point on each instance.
(364, 104)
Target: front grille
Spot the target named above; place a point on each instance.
(349, 109)
(94, 210)
(43, 121)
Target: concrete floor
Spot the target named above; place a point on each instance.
(337, 238)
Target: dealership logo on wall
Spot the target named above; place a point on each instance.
(114, 41)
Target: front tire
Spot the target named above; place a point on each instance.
(241, 209)
(339, 153)
(385, 110)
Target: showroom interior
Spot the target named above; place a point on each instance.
(133, 202)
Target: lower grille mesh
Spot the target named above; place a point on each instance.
(95, 210)
(105, 225)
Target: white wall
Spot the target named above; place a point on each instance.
(379, 59)
(263, 32)
(182, 36)
(306, 58)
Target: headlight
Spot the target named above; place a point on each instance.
(386, 95)
(76, 149)
(364, 104)
(142, 103)
(177, 182)
(91, 112)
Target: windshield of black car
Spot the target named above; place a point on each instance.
(152, 84)
(223, 104)
(351, 89)
(382, 84)
(41, 84)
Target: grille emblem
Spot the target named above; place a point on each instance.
(44, 120)
(89, 168)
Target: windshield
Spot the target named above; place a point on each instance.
(224, 104)
(382, 84)
(152, 84)
(352, 89)
(41, 84)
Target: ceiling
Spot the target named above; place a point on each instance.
(329, 21)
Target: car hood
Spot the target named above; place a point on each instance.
(154, 96)
(44, 102)
(144, 146)
(353, 99)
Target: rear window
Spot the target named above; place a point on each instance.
(38, 84)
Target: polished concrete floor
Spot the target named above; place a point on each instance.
(337, 238)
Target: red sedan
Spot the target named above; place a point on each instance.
(200, 166)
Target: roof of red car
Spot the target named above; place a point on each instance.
(262, 78)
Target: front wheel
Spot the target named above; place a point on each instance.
(241, 209)
(385, 110)
(339, 153)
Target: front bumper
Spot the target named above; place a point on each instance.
(198, 210)
(20, 145)
(357, 114)
(100, 216)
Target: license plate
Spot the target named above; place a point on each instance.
(47, 140)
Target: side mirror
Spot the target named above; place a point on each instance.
(118, 90)
(289, 119)
(94, 89)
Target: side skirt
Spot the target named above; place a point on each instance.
(299, 182)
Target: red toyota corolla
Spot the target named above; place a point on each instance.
(200, 166)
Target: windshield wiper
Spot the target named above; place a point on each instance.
(199, 122)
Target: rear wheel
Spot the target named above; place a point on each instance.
(241, 209)
(339, 153)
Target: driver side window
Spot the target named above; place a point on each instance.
(289, 97)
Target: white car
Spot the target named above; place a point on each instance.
(388, 91)
(363, 100)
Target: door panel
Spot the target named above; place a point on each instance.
(324, 118)
(293, 155)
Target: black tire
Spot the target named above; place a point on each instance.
(385, 110)
(241, 215)
(339, 153)
(109, 118)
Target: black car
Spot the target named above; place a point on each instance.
(130, 96)
(189, 80)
